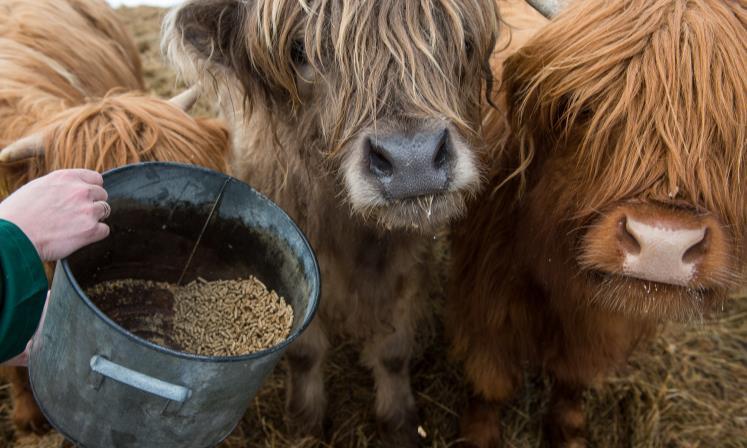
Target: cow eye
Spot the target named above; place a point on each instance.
(298, 54)
(469, 48)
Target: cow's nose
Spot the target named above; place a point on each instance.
(410, 165)
(662, 252)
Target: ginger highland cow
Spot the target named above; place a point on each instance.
(624, 205)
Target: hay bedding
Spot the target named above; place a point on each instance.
(688, 388)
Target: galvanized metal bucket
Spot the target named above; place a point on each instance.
(103, 386)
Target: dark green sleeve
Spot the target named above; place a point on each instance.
(23, 289)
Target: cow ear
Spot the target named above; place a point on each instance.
(210, 30)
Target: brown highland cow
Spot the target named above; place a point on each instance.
(60, 58)
(624, 205)
(361, 118)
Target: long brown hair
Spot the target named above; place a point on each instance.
(125, 128)
(71, 71)
(374, 54)
(651, 93)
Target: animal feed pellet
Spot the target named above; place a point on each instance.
(214, 318)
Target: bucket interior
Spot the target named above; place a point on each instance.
(152, 239)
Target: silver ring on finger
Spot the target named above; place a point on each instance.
(107, 209)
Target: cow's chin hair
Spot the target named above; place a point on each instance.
(644, 299)
(424, 214)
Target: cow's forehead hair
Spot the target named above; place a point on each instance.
(416, 55)
(655, 109)
(353, 30)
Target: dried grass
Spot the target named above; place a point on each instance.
(688, 388)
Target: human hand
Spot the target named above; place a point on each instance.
(60, 212)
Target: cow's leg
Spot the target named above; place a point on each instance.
(26, 414)
(582, 364)
(481, 424)
(305, 397)
(495, 384)
(388, 354)
(565, 424)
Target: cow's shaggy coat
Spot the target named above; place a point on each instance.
(619, 107)
(304, 85)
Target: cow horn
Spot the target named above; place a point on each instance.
(24, 148)
(186, 99)
(548, 8)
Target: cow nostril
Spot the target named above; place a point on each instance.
(698, 250)
(378, 163)
(626, 238)
(442, 151)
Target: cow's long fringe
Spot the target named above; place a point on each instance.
(71, 70)
(661, 103)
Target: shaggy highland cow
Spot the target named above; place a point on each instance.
(626, 206)
(59, 60)
(361, 118)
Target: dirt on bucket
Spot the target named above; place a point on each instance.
(212, 318)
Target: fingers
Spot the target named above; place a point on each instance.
(96, 193)
(100, 232)
(88, 176)
(102, 210)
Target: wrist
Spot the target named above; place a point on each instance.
(30, 236)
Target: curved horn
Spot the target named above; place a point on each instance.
(548, 8)
(24, 148)
(186, 99)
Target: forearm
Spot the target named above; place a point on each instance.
(23, 289)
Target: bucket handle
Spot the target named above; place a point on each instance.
(138, 380)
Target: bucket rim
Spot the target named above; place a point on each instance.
(313, 299)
